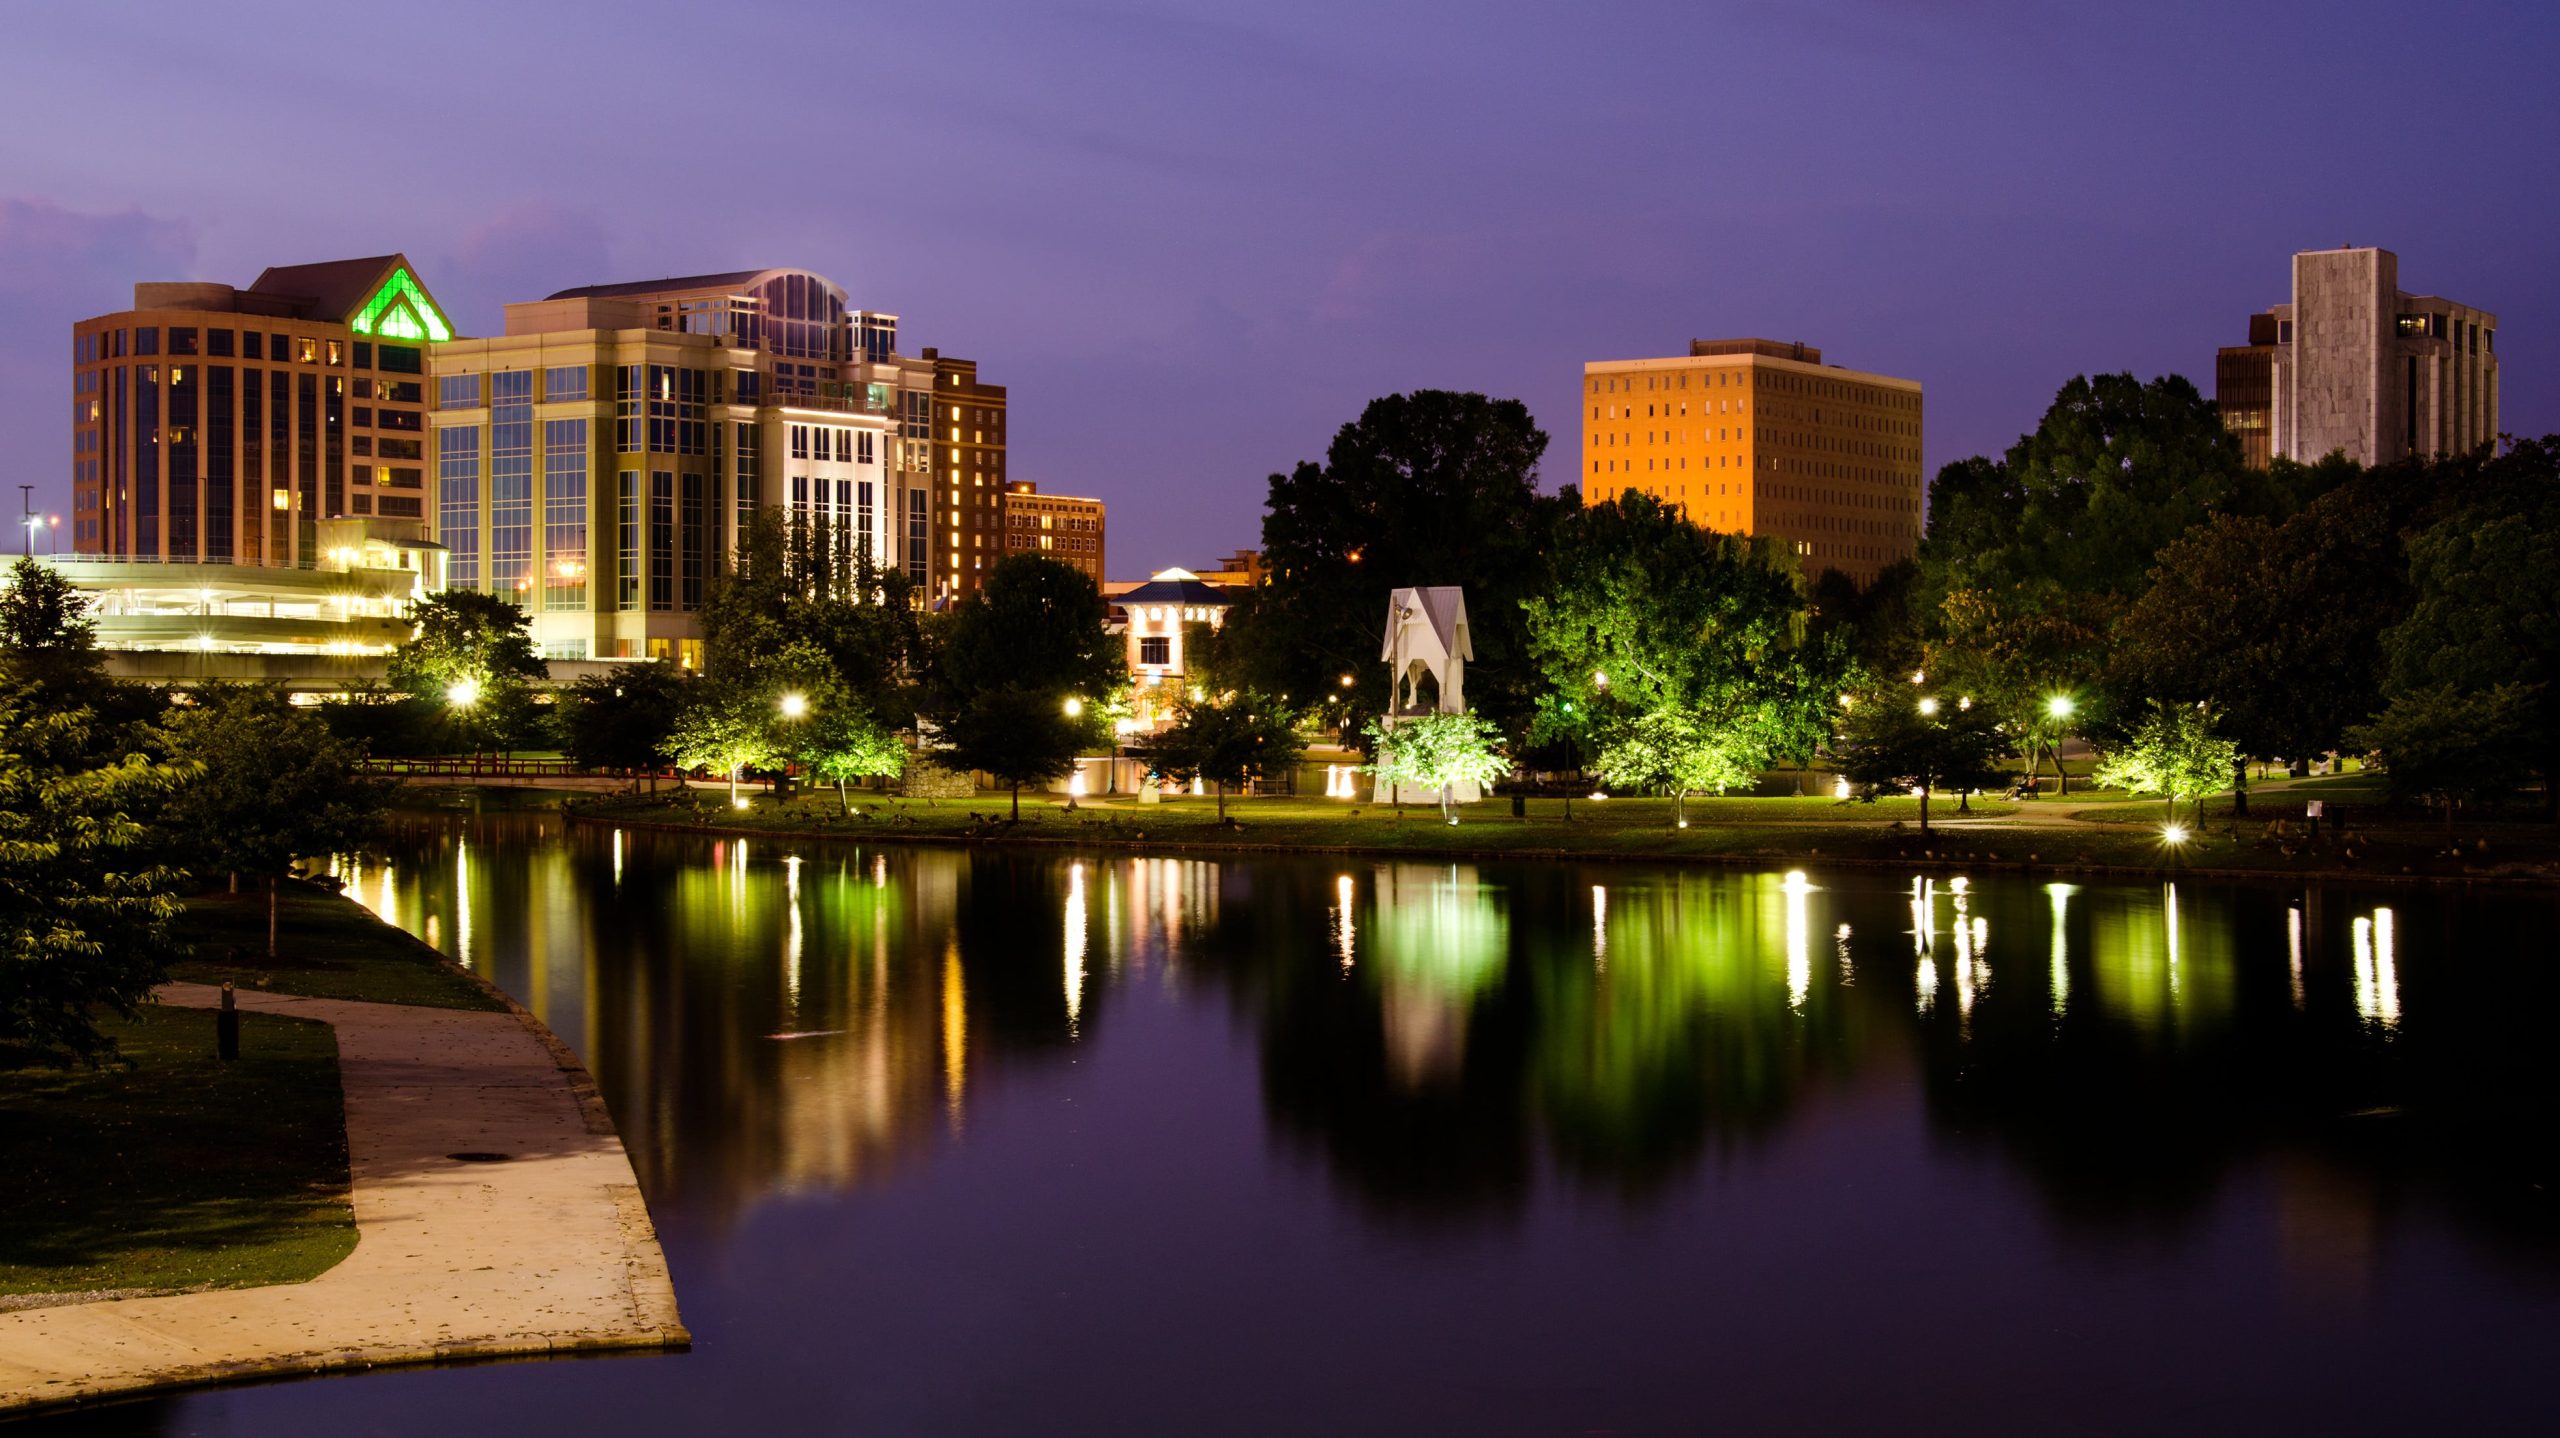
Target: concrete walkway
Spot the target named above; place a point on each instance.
(549, 1251)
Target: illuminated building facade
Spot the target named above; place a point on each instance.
(1155, 617)
(2355, 366)
(966, 449)
(599, 460)
(1061, 526)
(1757, 437)
(213, 425)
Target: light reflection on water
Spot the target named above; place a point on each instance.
(1275, 1075)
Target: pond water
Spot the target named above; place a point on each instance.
(942, 1141)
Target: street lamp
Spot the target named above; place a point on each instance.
(795, 705)
(1928, 707)
(1599, 679)
(462, 693)
(2058, 709)
(1074, 707)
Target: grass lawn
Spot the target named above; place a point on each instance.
(169, 1169)
(2098, 829)
(328, 946)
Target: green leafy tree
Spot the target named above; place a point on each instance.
(1030, 651)
(727, 726)
(1894, 737)
(1428, 488)
(2453, 745)
(1229, 742)
(273, 786)
(2177, 751)
(2278, 627)
(1038, 624)
(625, 719)
(2115, 470)
(839, 740)
(1437, 751)
(1019, 735)
(473, 654)
(799, 588)
(1645, 614)
(2486, 611)
(1673, 749)
(88, 894)
(42, 614)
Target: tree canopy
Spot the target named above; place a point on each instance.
(1895, 736)
(1648, 620)
(1437, 751)
(1228, 741)
(1428, 488)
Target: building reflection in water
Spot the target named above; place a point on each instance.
(775, 1022)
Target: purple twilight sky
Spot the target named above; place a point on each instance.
(1195, 239)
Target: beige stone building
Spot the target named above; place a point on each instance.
(2353, 365)
(1757, 437)
(225, 426)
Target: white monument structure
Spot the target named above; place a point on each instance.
(1426, 653)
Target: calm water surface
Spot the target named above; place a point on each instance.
(952, 1142)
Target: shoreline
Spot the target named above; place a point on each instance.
(456, 1260)
(2519, 883)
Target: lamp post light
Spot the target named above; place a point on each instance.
(1074, 707)
(2059, 709)
(795, 705)
(462, 693)
(1928, 708)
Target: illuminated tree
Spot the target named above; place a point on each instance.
(1673, 749)
(2175, 752)
(841, 740)
(728, 726)
(623, 719)
(473, 656)
(1437, 751)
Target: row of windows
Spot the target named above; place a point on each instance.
(243, 344)
(833, 443)
(1773, 381)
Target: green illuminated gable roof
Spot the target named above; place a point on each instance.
(401, 310)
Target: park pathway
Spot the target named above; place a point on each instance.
(547, 1250)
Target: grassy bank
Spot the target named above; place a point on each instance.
(171, 1170)
(327, 946)
(2086, 831)
(165, 1169)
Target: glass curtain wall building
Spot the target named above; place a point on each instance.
(598, 461)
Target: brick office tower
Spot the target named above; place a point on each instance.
(224, 426)
(1757, 437)
(2355, 366)
(967, 451)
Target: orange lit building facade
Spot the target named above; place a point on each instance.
(1061, 526)
(1758, 437)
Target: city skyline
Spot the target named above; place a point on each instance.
(1250, 228)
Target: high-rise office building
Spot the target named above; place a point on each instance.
(1058, 525)
(968, 453)
(598, 461)
(1756, 437)
(2355, 366)
(224, 426)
